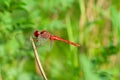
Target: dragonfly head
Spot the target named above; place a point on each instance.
(36, 33)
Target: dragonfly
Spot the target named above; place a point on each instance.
(45, 35)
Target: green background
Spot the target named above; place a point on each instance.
(94, 24)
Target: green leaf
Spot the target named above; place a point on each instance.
(2, 51)
(88, 72)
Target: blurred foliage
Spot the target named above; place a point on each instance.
(94, 24)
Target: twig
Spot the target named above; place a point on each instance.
(0, 76)
(37, 59)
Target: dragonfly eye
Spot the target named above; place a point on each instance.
(36, 33)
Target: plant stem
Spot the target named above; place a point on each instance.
(37, 59)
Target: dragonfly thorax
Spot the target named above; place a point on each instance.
(45, 34)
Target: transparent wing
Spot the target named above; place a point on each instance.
(51, 44)
(44, 43)
(41, 41)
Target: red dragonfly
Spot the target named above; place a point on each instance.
(46, 35)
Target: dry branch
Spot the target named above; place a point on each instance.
(37, 59)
